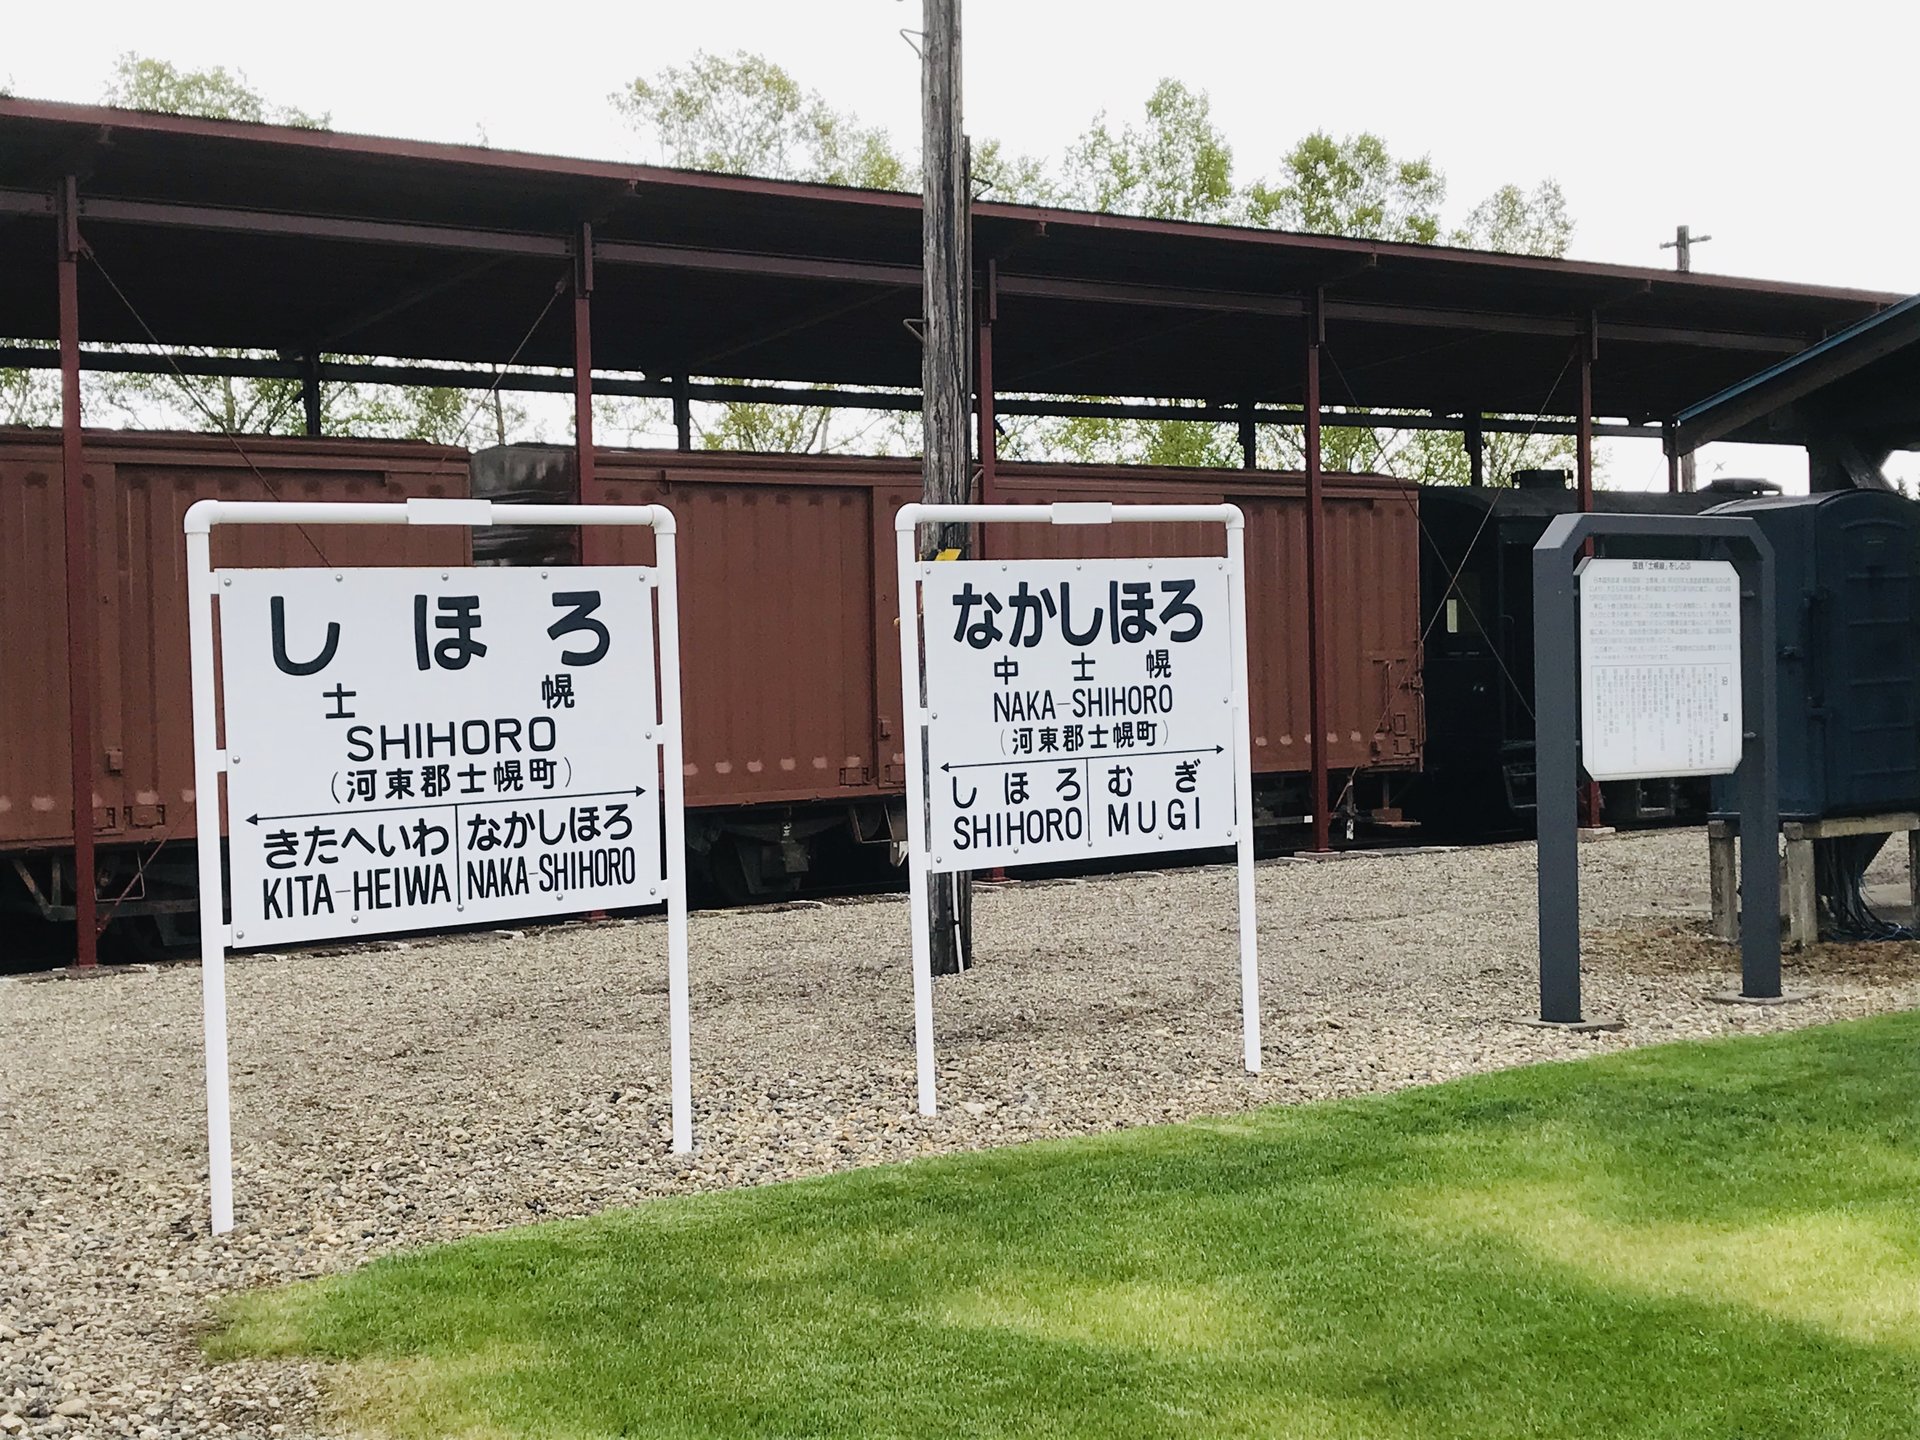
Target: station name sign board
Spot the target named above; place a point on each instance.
(1659, 668)
(1077, 709)
(414, 749)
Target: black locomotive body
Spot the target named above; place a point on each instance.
(1476, 606)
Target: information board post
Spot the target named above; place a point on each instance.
(1066, 724)
(379, 755)
(1557, 740)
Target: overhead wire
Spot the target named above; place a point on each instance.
(220, 426)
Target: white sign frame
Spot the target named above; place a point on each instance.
(211, 761)
(919, 763)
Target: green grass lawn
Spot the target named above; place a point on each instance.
(1718, 1240)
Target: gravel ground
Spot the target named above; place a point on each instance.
(391, 1097)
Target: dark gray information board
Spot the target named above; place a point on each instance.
(1556, 744)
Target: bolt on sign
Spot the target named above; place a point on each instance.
(1659, 668)
(412, 749)
(1073, 710)
(1079, 709)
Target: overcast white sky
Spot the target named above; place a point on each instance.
(1782, 131)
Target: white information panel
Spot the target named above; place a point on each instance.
(1077, 709)
(414, 749)
(1659, 668)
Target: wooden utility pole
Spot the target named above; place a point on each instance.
(946, 477)
(1682, 246)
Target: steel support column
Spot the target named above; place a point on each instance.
(682, 414)
(1316, 582)
(583, 362)
(80, 603)
(310, 391)
(1583, 438)
(1673, 460)
(1249, 439)
(1589, 802)
(1475, 440)
(983, 384)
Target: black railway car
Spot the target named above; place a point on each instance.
(1847, 604)
(1476, 608)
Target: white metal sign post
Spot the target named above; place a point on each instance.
(1074, 709)
(1659, 668)
(407, 749)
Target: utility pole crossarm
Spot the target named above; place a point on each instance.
(1682, 245)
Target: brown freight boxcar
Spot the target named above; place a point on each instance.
(792, 696)
(138, 489)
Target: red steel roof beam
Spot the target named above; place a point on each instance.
(989, 441)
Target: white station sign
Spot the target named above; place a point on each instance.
(1077, 709)
(410, 749)
(1659, 668)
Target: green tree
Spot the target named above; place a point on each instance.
(1354, 186)
(1345, 448)
(1519, 222)
(1003, 179)
(1437, 458)
(29, 397)
(1358, 187)
(169, 400)
(761, 428)
(1093, 440)
(143, 83)
(744, 115)
(1174, 165)
(440, 415)
(1177, 166)
(269, 406)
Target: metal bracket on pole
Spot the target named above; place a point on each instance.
(1556, 746)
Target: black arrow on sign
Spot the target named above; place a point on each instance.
(448, 805)
(1076, 759)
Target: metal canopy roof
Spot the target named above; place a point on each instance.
(236, 235)
(1862, 384)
